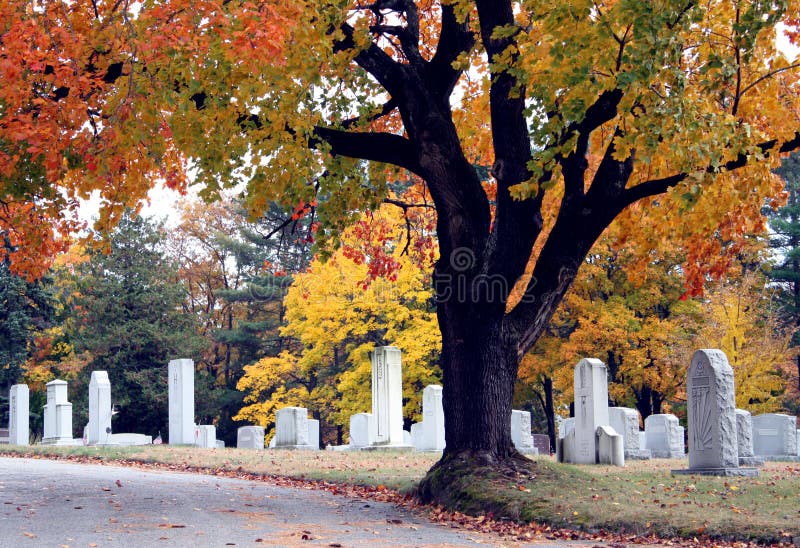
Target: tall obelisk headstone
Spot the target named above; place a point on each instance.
(19, 415)
(98, 431)
(387, 395)
(591, 407)
(181, 402)
(713, 442)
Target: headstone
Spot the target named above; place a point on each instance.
(521, 432)
(362, 430)
(591, 408)
(744, 437)
(387, 396)
(664, 436)
(798, 442)
(610, 447)
(542, 443)
(57, 415)
(250, 437)
(205, 436)
(19, 415)
(291, 428)
(313, 433)
(98, 430)
(181, 402)
(711, 408)
(775, 436)
(643, 440)
(130, 439)
(429, 434)
(625, 421)
(219, 444)
(566, 426)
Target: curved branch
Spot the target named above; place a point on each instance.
(379, 147)
(388, 72)
(655, 187)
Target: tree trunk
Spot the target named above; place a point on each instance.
(479, 369)
(550, 411)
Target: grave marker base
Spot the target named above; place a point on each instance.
(751, 461)
(749, 472)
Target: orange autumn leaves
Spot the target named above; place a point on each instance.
(88, 91)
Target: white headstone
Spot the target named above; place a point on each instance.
(291, 428)
(219, 444)
(387, 395)
(664, 436)
(521, 434)
(205, 436)
(625, 421)
(643, 440)
(19, 415)
(362, 430)
(250, 437)
(711, 408)
(428, 435)
(775, 434)
(181, 402)
(130, 439)
(591, 407)
(313, 433)
(98, 431)
(610, 447)
(565, 426)
(744, 433)
(57, 415)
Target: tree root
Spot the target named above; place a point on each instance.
(473, 482)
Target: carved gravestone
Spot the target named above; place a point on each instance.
(521, 434)
(98, 430)
(250, 437)
(610, 447)
(744, 437)
(713, 445)
(181, 402)
(387, 399)
(57, 415)
(625, 422)
(591, 408)
(205, 436)
(428, 435)
(775, 436)
(362, 430)
(291, 428)
(19, 415)
(542, 443)
(664, 436)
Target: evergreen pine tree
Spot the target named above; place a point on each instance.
(130, 319)
(785, 240)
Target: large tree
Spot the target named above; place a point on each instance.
(584, 107)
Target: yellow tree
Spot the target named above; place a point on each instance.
(337, 313)
(740, 317)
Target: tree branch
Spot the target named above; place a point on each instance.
(655, 187)
(454, 39)
(374, 60)
(379, 147)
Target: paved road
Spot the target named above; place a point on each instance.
(48, 503)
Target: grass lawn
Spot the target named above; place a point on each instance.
(641, 498)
